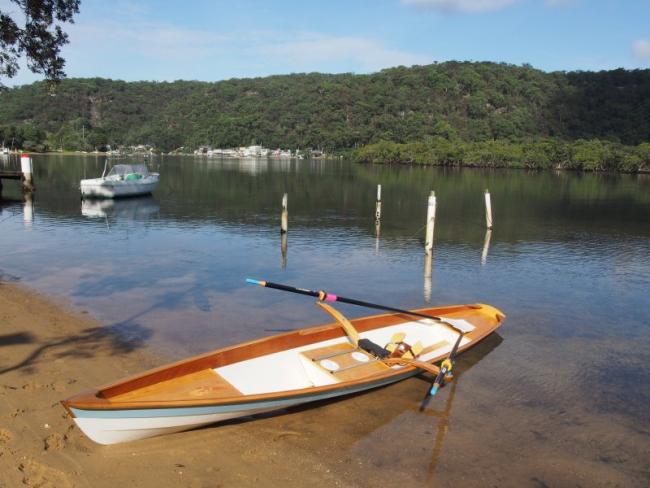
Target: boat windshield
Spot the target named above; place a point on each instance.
(129, 169)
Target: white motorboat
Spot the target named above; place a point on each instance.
(123, 180)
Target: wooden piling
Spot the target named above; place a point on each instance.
(378, 205)
(283, 248)
(488, 210)
(431, 220)
(28, 209)
(428, 263)
(486, 247)
(284, 221)
(26, 168)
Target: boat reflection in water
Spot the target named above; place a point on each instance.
(464, 364)
(136, 208)
(432, 413)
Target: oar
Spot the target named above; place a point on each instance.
(323, 296)
(445, 367)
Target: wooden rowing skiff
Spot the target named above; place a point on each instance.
(276, 372)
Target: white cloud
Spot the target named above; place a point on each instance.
(157, 41)
(142, 49)
(310, 50)
(561, 3)
(462, 6)
(641, 49)
(296, 51)
(123, 8)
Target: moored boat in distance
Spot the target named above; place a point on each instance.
(280, 371)
(123, 180)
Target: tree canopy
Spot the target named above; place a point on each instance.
(39, 37)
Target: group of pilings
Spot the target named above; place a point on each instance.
(25, 176)
(431, 217)
(428, 238)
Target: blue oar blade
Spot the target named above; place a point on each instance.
(251, 281)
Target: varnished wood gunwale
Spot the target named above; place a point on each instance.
(205, 383)
(485, 318)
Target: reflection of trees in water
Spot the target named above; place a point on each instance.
(442, 417)
(333, 193)
(396, 432)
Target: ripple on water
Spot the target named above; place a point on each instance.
(560, 399)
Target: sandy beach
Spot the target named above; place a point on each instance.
(48, 352)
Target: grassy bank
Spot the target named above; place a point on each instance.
(586, 155)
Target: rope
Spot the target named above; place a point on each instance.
(417, 232)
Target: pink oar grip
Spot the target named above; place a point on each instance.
(330, 297)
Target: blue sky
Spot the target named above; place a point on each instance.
(215, 40)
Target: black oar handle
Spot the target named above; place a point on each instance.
(330, 297)
(384, 307)
(278, 286)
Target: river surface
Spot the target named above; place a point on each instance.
(560, 397)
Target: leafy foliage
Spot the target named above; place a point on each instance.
(40, 39)
(450, 113)
(588, 155)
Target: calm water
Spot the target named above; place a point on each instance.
(560, 398)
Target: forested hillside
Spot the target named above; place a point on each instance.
(470, 102)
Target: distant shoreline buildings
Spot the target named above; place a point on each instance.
(254, 152)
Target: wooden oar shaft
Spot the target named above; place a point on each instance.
(330, 297)
(412, 362)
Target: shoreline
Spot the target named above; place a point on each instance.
(372, 162)
(412, 164)
(50, 352)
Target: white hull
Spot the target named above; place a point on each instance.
(111, 188)
(114, 431)
(134, 425)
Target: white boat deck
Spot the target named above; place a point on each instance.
(291, 370)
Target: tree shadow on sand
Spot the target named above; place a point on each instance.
(115, 339)
(15, 339)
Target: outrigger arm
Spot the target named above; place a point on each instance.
(371, 347)
(349, 329)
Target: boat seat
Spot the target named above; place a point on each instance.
(344, 362)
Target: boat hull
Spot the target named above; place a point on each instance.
(116, 426)
(285, 370)
(105, 188)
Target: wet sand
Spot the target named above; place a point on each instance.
(48, 353)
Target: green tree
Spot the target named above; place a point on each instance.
(39, 39)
